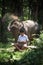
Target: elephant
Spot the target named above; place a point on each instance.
(30, 27)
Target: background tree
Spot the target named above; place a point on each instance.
(36, 10)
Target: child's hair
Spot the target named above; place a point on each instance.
(22, 30)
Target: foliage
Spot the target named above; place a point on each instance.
(27, 57)
(7, 53)
(34, 57)
(38, 41)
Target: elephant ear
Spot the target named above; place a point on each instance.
(36, 25)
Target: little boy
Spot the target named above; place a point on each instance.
(22, 40)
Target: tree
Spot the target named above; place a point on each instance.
(36, 10)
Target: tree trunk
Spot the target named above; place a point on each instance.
(35, 10)
(3, 7)
(18, 8)
(3, 33)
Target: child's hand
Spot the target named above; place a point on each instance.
(23, 42)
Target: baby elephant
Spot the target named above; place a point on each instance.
(30, 26)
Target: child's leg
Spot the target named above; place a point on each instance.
(24, 47)
(17, 47)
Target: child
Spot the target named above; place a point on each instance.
(22, 40)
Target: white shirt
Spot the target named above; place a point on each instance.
(23, 38)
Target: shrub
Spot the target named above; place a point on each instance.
(38, 41)
(34, 57)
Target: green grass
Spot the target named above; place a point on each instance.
(7, 52)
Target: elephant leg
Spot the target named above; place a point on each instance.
(15, 35)
(16, 39)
